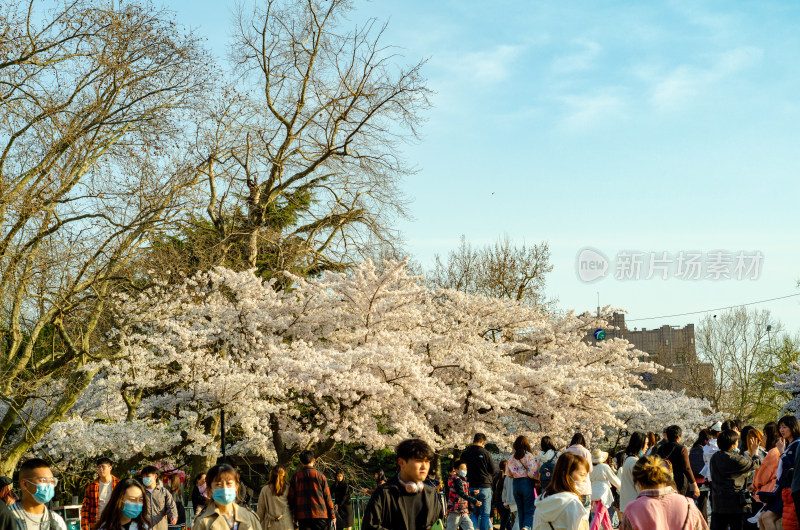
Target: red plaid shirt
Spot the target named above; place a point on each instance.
(91, 501)
(309, 496)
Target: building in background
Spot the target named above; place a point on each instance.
(672, 347)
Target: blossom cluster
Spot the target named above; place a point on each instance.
(371, 356)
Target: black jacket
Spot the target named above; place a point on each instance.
(6, 519)
(696, 460)
(729, 472)
(678, 457)
(498, 483)
(480, 466)
(384, 510)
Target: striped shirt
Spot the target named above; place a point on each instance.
(49, 520)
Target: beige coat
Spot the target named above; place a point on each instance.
(270, 507)
(210, 519)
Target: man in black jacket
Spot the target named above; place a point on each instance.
(480, 471)
(730, 471)
(678, 456)
(405, 502)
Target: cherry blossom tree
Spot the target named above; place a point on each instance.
(371, 357)
(790, 384)
(661, 408)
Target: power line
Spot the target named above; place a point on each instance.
(715, 309)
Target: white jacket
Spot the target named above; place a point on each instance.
(545, 456)
(585, 487)
(508, 499)
(564, 511)
(628, 492)
(603, 477)
(708, 451)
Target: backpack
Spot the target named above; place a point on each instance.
(546, 471)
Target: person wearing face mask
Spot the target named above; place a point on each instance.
(161, 505)
(37, 484)
(223, 512)
(126, 508)
(458, 499)
(199, 493)
(561, 507)
(97, 494)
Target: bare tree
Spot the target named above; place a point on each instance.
(737, 345)
(500, 270)
(91, 111)
(301, 157)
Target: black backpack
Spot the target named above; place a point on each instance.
(546, 471)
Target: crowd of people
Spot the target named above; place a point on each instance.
(732, 477)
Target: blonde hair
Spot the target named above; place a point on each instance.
(277, 480)
(650, 471)
(757, 435)
(175, 483)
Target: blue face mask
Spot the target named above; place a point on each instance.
(462, 472)
(44, 493)
(224, 496)
(131, 510)
(147, 481)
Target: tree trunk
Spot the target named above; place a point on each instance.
(77, 383)
(202, 463)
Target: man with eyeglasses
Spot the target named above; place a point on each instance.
(37, 484)
(97, 494)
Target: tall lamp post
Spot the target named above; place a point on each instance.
(769, 336)
(222, 434)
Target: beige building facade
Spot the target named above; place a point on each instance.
(670, 346)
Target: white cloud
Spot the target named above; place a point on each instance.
(683, 82)
(488, 66)
(580, 60)
(586, 111)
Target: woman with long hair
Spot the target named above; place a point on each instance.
(199, 493)
(652, 441)
(126, 508)
(176, 489)
(781, 505)
(273, 506)
(658, 505)
(342, 505)
(767, 474)
(578, 447)
(223, 482)
(523, 468)
(560, 507)
(548, 452)
(697, 463)
(637, 446)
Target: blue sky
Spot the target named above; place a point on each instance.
(663, 126)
